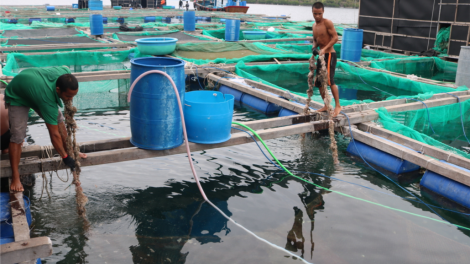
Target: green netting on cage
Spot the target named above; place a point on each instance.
(425, 67)
(130, 37)
(355, 85)
(442, 127)
(232, 52)
(9, 26)
(442, 40)
(220, 34)
(54, 40)
(367, 55)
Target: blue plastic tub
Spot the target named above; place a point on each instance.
(446, 187)
(50, 8)
(74, 5)
(232, 29)
(95, 5)
(120, 20)
(70, 20)
(6, 229)
(154, 113)
(189, 22)
(149, 19)
(208, 116)
(31, 20)
(223, 20)
(250, 35)
(260, 105)
(156, 46)
(117, 7)
(96, 24)
(379, 158)
(351, 45)
(236, 93)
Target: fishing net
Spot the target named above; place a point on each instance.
(220, 34)
(426, 67)
(442, 40)
(442, 127)
(232, 52)
(181, 36)
(45, 32)
(79, 39)
(356, 85)
(367, 55)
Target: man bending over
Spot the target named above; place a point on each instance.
(42, 90)
(325, 36)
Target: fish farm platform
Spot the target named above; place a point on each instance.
(384, 87)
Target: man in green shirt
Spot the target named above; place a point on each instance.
(40, 89)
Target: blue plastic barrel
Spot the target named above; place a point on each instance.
(208, 116)
(260, 105)
(166, 20)
(105, 20)
(74, 5)
(232, 29)
(12, 21)
(189, 20)
(95, 5)
(6, 229)
(31, 20)
(70, 20)
(96, 24)
(380, 158)
(149, 19)
(286, 112)
(154, 113)
(446, 187)
(120, 20)
(351, 45)
(50, 8)
(236, 93)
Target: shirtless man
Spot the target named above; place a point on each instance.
(325, 36)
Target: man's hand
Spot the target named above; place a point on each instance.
(322, 52)
(69, 162)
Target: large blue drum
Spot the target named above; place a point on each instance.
(154, 113)
(351, 45)
(96, 25)
(232, 29)
(189, 21)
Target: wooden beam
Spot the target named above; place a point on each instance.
(26, 250)
(66, 46)
(416, 145)
(112, 156)
(19, 221)
(414, 157)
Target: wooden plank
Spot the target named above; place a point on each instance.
(414, 157)
(3, 56)
(112, 156)
(416, 145)
(18, 213)
(34, 248)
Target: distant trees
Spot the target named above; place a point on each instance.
(328, 3)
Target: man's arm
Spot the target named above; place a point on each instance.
(56, 139)
(315, 44)
(334, 36)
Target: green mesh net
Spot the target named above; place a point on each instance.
(442, 40)
(443, 129)
(220, 34)
(123, 36)
(425, 67)
(232, 52)
(355, 85)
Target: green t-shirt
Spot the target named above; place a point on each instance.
(36, 88)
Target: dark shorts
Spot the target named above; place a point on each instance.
(330, 60)
(5, 140)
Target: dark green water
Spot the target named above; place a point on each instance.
(150, 211)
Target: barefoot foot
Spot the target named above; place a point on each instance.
(16, 185)
(83, 155)
(323, 109)
(337, 111)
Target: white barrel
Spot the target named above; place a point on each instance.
(463, 69)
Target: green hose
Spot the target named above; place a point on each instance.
(344, 194)
(4, 82)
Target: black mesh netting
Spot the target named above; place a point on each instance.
(115, 30)
(42, 32)
(51, 41)
(179, 35)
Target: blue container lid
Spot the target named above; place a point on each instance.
(353, 29)
(157, 62)
(156, 41)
